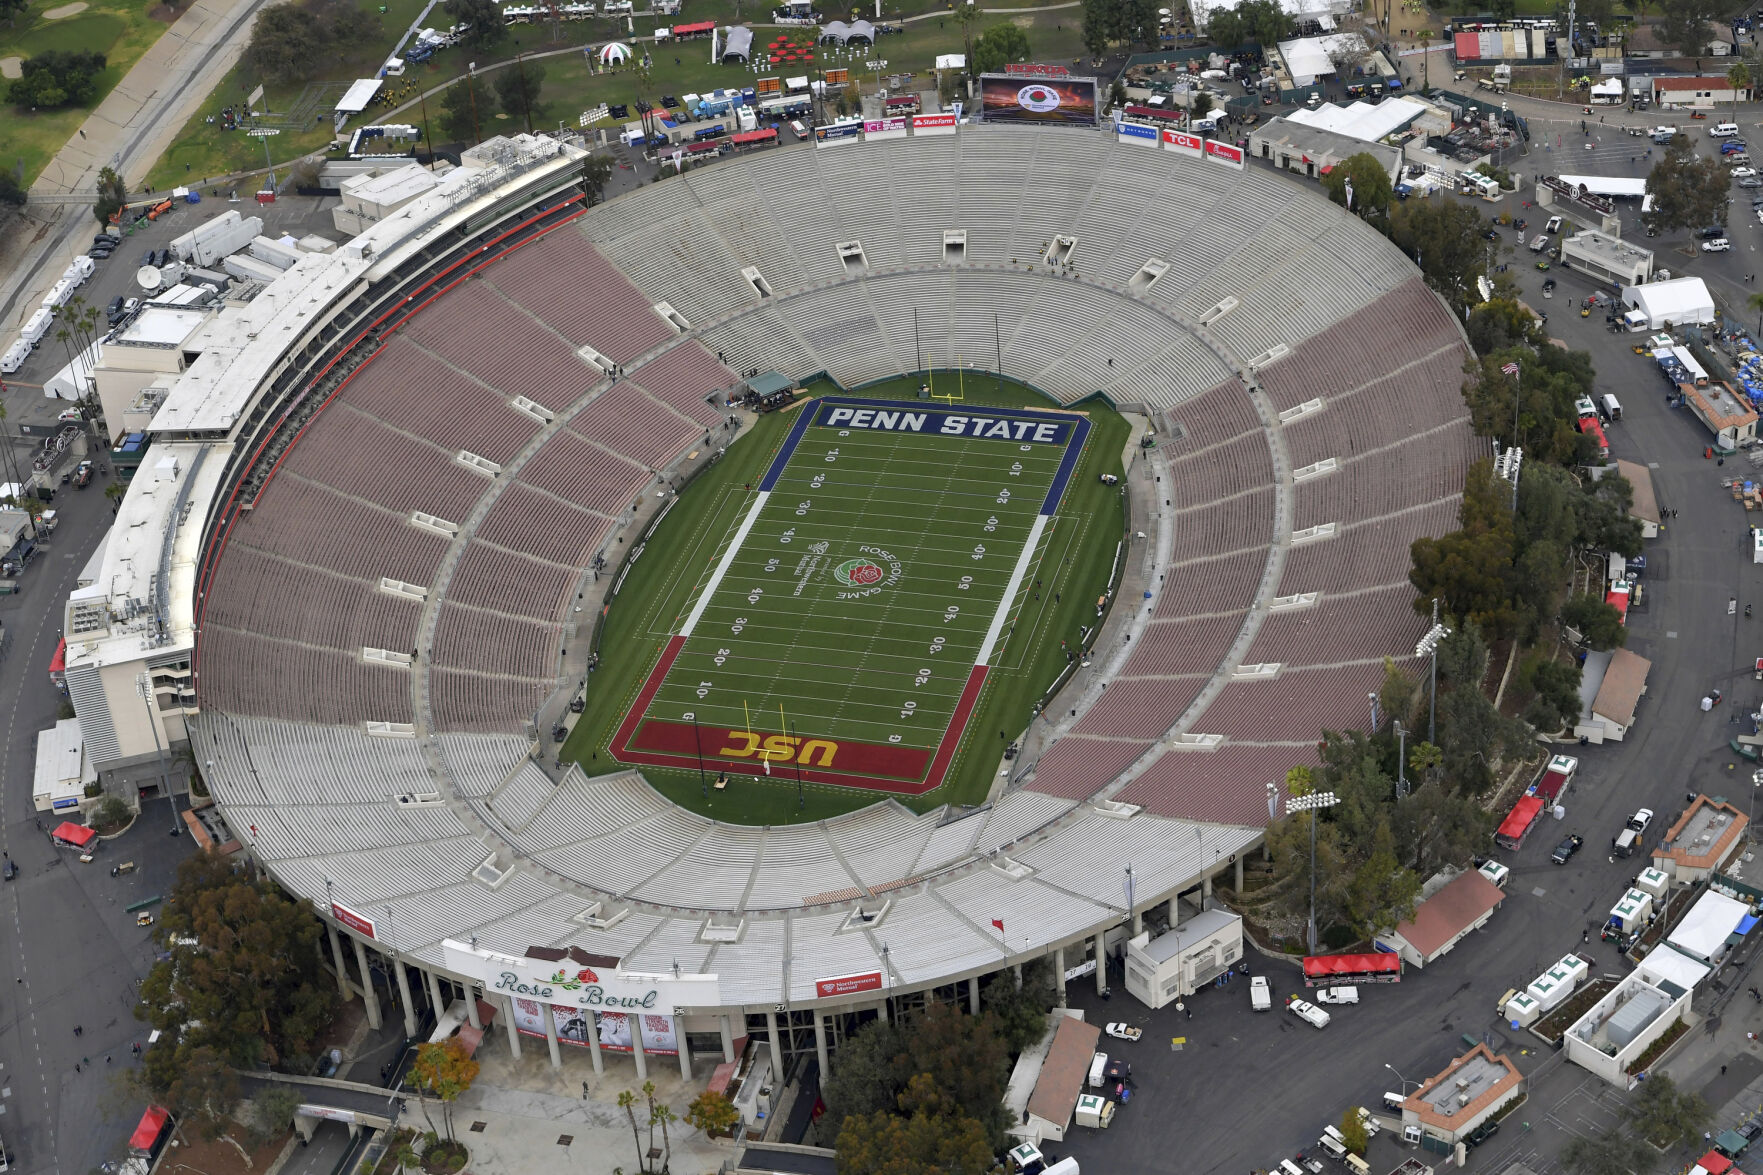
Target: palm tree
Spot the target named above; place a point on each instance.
(1737, 78)
(1425, 60)
(1755, 302)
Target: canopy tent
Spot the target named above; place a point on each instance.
(148, 1130)
(1310, 58)
(1681, 301)
(1361, 120)
(1607, 185)
(1326, 966)
(841, 33)
(1519, 821)
(359, 95)
(77, 835)
(1611, 89)
(614, 53)
(737, 44)
(1701, 934)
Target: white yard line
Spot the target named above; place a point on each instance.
(728, 558)
(1009, 598)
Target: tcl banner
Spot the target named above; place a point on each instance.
(1185, 143)
(933, 124)
(848, 984)
(885, 128)
(359, 923)
(1224, 153)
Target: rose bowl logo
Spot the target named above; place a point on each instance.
(858, 572)
(1040, 99)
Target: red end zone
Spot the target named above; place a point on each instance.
(872, 766)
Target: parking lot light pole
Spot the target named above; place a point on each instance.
(1310, 804)
(1428, 646)
(1405, 1082)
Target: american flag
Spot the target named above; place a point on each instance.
(1510, 369)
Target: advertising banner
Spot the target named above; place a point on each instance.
(1067, 101)
(1031, 70)
(1224, 153)
(658, 1033)
(885, 128)
(848, 984)
(1184, 143)
(1137, 132)
(359, 923)
(933, 124)
(846, 131)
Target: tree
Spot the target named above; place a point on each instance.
(1598, 622)
(1265, 21)
(293, 41)
(1555, 686)
(1684, 24)
(1426, 53)
(200, 1088)
(1020, 1011)
(1687, 190)
(463, 110)
(488, 28)
(1225, 29)
(1364, 174)
(517, 88)
(12, 193)
(998, 46)
(627, 1101)
(1353, 1130)
(1755, 302)
(1502, 324)
(273, 1109)
(596, 170)
(9, 10)
(931, 1136)
(1098, 17)
(1609, 1154)
(112, 195)
(1665, 1115)
(1739, 78)
(1445, 239)
(56, 78)
(712, 1113)
(239, 976)
(444, 1070)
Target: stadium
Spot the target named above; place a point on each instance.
(389, 508)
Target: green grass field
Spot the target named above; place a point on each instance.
(119, 29)
(844, 657)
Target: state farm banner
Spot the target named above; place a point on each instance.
(658, 1032)
(1224, 153)
(885, 128)
(1137, 132)
(848, 984)
(1183, 143)
(933, 124)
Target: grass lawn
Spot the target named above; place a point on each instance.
(119, 29)
(204, 150)
(845, 663)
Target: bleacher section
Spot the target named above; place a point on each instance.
(375, 487)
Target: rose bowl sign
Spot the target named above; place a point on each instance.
(569, 984)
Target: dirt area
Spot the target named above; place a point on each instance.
(219, 1158)
(66, 10)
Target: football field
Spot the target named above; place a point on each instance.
(842, 629)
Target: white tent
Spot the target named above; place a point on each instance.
(1703, 931)
(739, 43)
(1611, 89)
(1361, 120)
(359, 95)
(1309, 58)
(1680, 301)
(614, 53)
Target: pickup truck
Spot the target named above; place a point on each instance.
(1260, 995)
(1540, 242)
(1338, 995)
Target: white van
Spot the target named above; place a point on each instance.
(1724, 130)
(1098, 1067)
(1610, 407)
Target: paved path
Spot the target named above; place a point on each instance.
(130, 129)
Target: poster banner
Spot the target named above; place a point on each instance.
(847, 131)
(1184, 143)
(359, 923)
(933, 124)
(1068, 101)
(885, 128)
(1137, 132)
(848, 984)
(1224, 153)
(658, 1032)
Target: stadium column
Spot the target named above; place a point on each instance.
(513, 1029)
(404, 994)
(337, 956)
(1239, 886)
(777, 1049)
(728, 1037)
(973, 995)
(685, 1049)
(826, 1070)
(1101, 967)
(435, 994)
(471, 1012)
(1059, 977)
(1174, 911)
(594, 1043)
(637, 1053)
(369, 997)
(551, 1035)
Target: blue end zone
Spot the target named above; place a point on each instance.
(1074, 449)
(789, 446)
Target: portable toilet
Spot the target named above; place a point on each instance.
(1094, 1111)
(1522, 1010)
(1495, 872)
(1571, 970)
(1653, 882)
(1548, 991)
(1631, 912)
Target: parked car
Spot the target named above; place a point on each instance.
(1260, 994)
(1641, 818)
(1554, 225)
(1712, 231)
(1308, 1012)
(1123, 1031)
(1565, 850)
(82, 476)
(1717, 245)
(1750, 181)
(1743, 173)
(70, 416)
